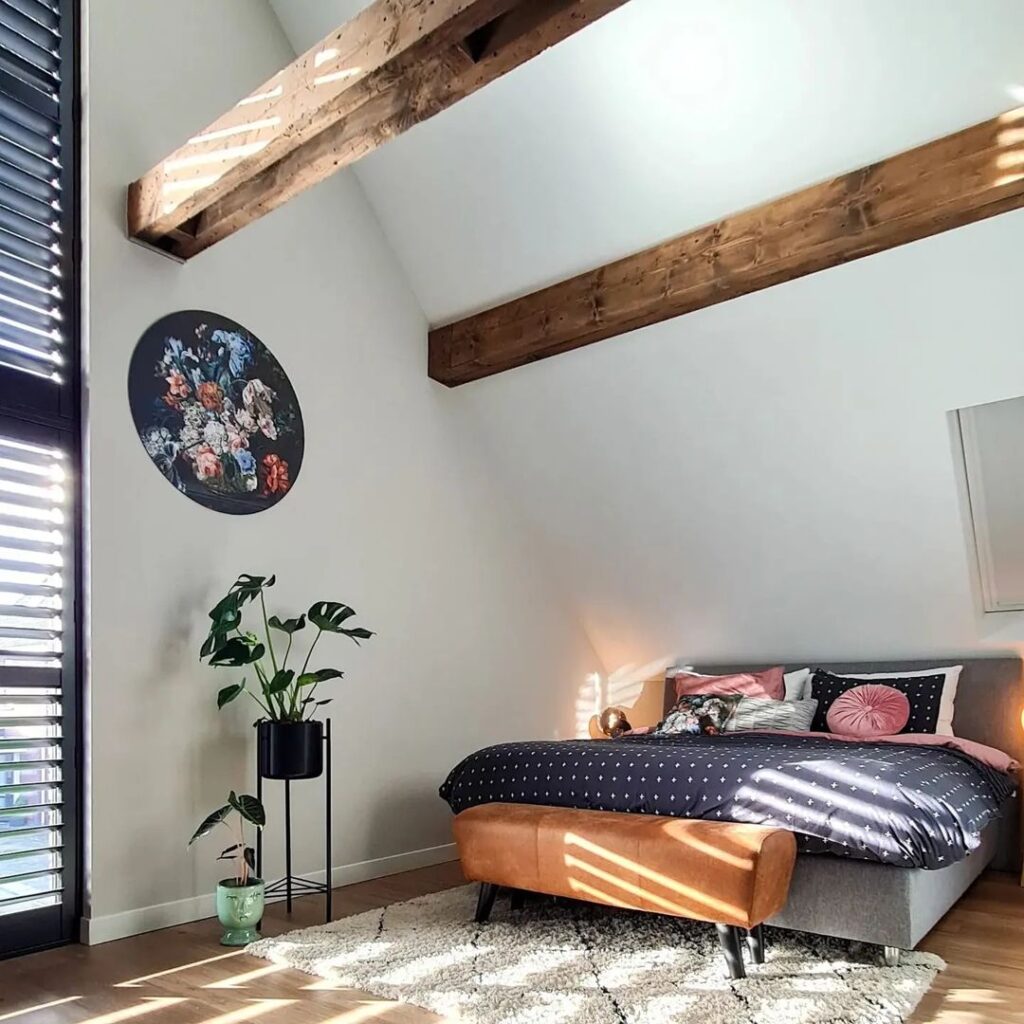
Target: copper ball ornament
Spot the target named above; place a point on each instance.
(613, 722)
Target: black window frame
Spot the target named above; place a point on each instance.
(45, 412)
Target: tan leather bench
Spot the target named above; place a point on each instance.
(733, 875)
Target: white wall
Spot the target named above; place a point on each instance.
(394, 511)
(773, 477)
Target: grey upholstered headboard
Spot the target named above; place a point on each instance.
(988, 707)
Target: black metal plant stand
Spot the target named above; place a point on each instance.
(292, 886)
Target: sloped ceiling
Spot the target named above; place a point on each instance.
(772, 477)
(663, 116)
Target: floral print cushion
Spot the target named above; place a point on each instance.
(699, 714)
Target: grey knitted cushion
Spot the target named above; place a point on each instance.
(757, 713)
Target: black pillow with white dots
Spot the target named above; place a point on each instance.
(923, 692)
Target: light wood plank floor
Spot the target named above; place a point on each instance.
(182, 976)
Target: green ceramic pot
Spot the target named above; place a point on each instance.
(239, 910)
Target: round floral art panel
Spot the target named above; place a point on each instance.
(216, 412)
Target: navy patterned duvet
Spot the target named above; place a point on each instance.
(899, 804)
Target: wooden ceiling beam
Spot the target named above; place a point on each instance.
(968, 176)
(397, 63)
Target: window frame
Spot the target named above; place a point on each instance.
(42, 411)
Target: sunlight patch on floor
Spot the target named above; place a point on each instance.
(241, 980)
(136, 982)
(39, 1006)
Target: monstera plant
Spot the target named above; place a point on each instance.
(283, 694)
(290, 741)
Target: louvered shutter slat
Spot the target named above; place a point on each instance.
(26, 839)
(15, 183)
(34, 209)
(42, 319)
(27, 23)
(17, 223)
(17, 357)
(43, 14)
(33, 164)
(40, 63)
(28, 542)
(27, 275)
(25, 338)
(37, 137)
(20, 290)
(34, 255)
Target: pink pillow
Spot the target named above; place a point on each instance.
(869, 710)
(767, 685)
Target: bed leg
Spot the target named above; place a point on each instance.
(755, 943)
(518, 899)
(485, 901)
(891, 956)
(729, 939)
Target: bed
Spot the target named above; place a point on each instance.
(880, 864)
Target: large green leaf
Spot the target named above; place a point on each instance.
(288, 626)
(248, 586)
(249, 808)
(237, 652)
(227, 612)
(358, 633)
(330, 616)
(281, 681)
(226, 609)
(321, 675)
(229, 693)
(210, 822)
(212, 643)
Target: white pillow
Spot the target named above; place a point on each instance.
(944, 726)
(797, 684)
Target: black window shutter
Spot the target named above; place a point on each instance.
(39, 474)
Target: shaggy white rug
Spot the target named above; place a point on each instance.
(577, 964)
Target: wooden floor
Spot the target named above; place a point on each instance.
(182, 976)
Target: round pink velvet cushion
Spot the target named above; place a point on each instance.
(869, 710)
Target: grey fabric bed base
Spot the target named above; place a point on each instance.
(892, 906)
(878, 903)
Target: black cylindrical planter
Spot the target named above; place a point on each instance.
(291, 750)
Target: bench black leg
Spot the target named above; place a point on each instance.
(729, 938)
(518, 899)
(755, 943)
(485, 901)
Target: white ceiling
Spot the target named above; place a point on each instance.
(665, 115)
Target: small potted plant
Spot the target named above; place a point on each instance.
(290, 739)
(240, 898)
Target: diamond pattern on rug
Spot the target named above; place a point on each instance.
(579, 964)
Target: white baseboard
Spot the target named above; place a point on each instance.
(166, 915)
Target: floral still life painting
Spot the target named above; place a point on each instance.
(216, 412)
